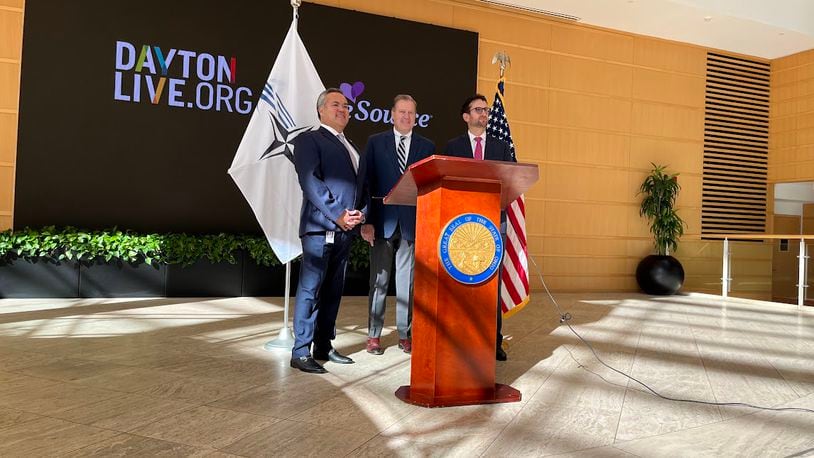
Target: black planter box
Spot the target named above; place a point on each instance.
(268, 281)
(357, 282)
(121, 279)
(206, 279)
(27, 278)
(42, 278)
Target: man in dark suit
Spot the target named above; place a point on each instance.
(476, 144)
(391, 228)
(331, 174)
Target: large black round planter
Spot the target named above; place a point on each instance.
(660, 275)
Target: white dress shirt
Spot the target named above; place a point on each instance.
(354, 155)
(482, 143)
(409, 136)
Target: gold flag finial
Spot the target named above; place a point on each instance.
(504, 60)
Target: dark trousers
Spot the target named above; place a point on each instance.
(499, 338)
(322, 278)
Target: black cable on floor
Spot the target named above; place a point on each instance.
(565, 317)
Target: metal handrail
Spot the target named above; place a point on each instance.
(742, 236)
(802, 263)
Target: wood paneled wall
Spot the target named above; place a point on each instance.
(791, 134)
(593, 108)
(11, 41)
(791, 124)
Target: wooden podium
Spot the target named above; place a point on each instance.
(454, 323)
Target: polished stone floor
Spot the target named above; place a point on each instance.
(178, 377)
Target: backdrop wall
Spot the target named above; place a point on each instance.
(130, 118)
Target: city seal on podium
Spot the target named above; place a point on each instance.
(470, 248)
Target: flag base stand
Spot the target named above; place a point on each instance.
(283, 341)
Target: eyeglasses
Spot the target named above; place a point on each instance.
(481, 110)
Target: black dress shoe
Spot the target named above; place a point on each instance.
(333, 356)
(500, 355)
(307, 364)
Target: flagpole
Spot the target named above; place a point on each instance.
(284, 340)
(295, 4)
(514, 291)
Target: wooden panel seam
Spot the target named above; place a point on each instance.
(493, 81)
(589, 58)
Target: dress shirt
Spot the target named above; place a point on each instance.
(482, 143)
(354, 155)
(409, 136)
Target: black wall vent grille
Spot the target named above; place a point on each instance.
(736, 145)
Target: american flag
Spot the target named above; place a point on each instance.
(514, 286)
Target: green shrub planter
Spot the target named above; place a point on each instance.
(69, 262)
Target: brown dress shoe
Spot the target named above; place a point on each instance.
(374, 346)
(406, 345)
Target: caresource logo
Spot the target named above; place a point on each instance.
(206, 82)
(361, 110)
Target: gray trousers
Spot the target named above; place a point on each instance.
(381, 264)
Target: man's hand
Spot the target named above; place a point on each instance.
(368, 233)
(349, 219)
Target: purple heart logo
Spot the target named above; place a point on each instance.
(352, 91)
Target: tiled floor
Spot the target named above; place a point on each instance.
(154, 377)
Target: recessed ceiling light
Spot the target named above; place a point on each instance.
(707, 18)
(781, 33)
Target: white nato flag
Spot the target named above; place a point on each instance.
(263, 167)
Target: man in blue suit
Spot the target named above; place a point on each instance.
(476, 144)
(331, 174)
(391, 228)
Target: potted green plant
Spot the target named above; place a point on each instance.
(661, 273)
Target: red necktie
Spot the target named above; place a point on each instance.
(478, 149)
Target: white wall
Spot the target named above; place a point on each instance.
(790, 197)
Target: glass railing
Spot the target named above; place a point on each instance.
(802, 259)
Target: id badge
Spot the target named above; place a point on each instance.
(329, 237)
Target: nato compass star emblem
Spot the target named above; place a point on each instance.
(283, 138)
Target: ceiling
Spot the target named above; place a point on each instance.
(760, 28)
